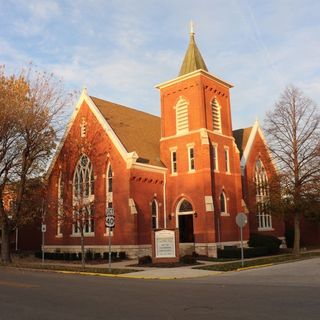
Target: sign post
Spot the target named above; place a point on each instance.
(110, 223)
(241, 220)
(43, 230)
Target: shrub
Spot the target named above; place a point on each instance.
(188, 259)
(73, 256)
(97, 256)
(144, 260)
(235, 253)
(66, 256)
(122, 255)
(260, 240)
(289, 235)
(89, 255)
(38, 254)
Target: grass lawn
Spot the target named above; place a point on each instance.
(231, 266)
(57, 267)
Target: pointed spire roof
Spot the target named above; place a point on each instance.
(192, 60)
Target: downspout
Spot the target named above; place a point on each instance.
(164, 201)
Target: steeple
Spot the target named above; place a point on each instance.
(192, 60)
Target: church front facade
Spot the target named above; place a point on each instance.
(186, 170)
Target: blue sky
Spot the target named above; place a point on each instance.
(120, 49)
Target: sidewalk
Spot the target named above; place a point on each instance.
(164, 273)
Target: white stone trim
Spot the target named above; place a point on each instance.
(132, 206)
(191, 75)
(200, 131)
(133, 251)
(245, 156)
(148, 167)
(208, 200)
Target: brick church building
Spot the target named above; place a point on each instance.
(186, 169)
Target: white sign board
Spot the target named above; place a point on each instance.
(241, 219)
(110, 220)
(43, 228)
(165, 244)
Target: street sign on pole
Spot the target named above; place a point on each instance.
(241, 221)
(110, 223)
(110, 220)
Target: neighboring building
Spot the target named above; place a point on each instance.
(27, 235)
(186, 170)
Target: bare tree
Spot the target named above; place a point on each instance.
(293, 131)
(30, 106)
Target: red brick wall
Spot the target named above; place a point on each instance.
(259, 151)
(200, 91)
(100, 150)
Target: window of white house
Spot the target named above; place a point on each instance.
(227, 159)
(216, 115)
(154, 214)
(191, 158)
(215, 157)
(174, 161)
(223, 204)
(262, 196)
(60, 205)
(182, 118)
(83, 197)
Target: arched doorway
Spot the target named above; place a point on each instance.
(184, 222)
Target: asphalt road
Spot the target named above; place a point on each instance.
(287, 291)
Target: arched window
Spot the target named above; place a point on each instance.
(185, 206)
(154, 214)
(223, 203)
(109, 186)
(60, 204)
(182, 118)
(83, 196)
(216, 115)
(262, 196)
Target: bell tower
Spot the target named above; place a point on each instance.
(198, 148)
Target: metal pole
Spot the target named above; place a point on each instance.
(110, 249)
(42, 231)
(42, 246)
(242, 261)
(17, 238)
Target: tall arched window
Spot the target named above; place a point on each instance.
(109, 186)
(262, 196)
(83, 196)
(223, 203)
(182, 117)
(154, 214)
(216, 115)
(60, 204)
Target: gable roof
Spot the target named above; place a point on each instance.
(241, 137)
(138, 131)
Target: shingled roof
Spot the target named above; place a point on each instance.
(192, 60)
(138, 131)
(241, 136)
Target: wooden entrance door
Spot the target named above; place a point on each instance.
(186, 228)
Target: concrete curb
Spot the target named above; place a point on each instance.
(255, 267)
(128, 276)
